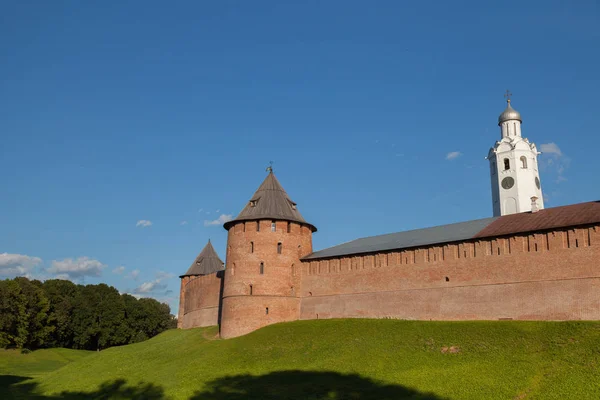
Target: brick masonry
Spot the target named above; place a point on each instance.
(550, 275)
(253, 298)
(201, 300)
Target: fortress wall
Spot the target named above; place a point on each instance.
(248, 293)
(202, 299)
(184, 281)
(547, 275)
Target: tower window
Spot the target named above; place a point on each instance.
(289, 227)
(262, 268)
(506, 164)
(523, 162)
(257, 226)
(279, 248)
(266, 310)
(251, 247)
(273, 226)
(251, 290)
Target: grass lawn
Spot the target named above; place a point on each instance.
(329, 359)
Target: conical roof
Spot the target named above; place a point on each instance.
(509, 114)
(270, 201)
(206, 263)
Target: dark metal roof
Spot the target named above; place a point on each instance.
(550, 218)
(206, 263)
(270, 201)
(400, 240)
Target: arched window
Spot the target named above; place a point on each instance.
(273, 226)
(506, 164)
(251, 290)
(279, 248)
(289, 227)
(257, 226)
(262, 268)
(523, 162)
(251, 247)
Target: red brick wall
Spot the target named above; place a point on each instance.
(184, 281)
(277, 289)
(201, 299)
(544, 276)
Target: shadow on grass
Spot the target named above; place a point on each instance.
(288, 385)
(17, 387)
(305, 385)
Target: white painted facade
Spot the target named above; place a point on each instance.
(514, 168)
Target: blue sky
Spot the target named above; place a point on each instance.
(112, 113)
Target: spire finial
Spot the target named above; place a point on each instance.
(507, 96)
(270, 167)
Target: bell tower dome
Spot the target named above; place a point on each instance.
(513, 167)
(263, 272)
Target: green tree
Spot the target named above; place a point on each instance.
(13, 316)
(36, 312)
(62, 295)
(98, 318)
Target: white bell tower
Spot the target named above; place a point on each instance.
(514, 168)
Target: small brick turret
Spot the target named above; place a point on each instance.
(263, 275)
(201, 290)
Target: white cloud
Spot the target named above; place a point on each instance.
(144, 223)
(453, 155)
(137, 296)
(156, 286)
(200, 210)
(219, 221)
(17, 264)
(148, 287)
(183, 223)
(161, 275)
(551, 148)
(118, 270)
(134, 274)
(82, 266)
(553, 160)
(218, 211)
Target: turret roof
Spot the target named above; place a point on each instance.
(206, 263)
(270, 201)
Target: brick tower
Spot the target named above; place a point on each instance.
(201, 290)
(263, 272)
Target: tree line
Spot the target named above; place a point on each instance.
(60, 313)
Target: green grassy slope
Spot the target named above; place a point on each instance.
(40, 362)
(16, 367)
(339, 359)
